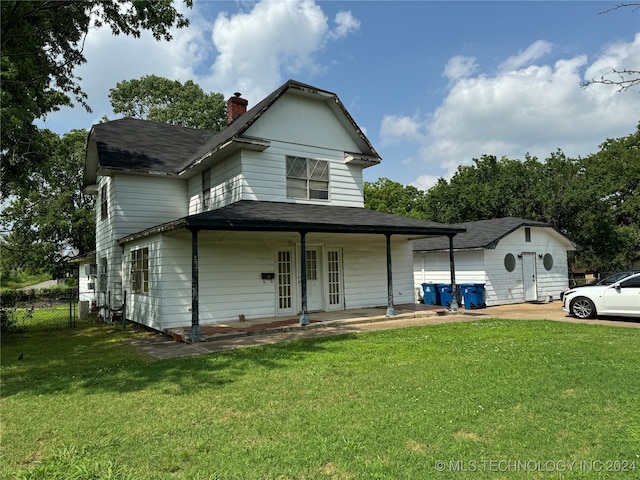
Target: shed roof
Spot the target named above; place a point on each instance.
(485, 234)
(251, 215)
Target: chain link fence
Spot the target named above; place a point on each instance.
(56, 306)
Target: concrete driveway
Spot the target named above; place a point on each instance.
(164, 347)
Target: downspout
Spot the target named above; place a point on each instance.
(195, 335)
(390, 310)
(304, 317)
(454, 287)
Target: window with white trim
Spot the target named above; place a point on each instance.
(307, 179)
(103, 274)
(206, 189)
(140, 270)
(104, 205)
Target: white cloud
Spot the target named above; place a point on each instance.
(252, 51)
(525, 57)
(459, 67)
(345, 24)
(523, 108)
(396, 129)
(617, 56)
(273, 39)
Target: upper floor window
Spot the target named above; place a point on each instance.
(104, 206)
(140, 270)
(307, 178)
(206, 189)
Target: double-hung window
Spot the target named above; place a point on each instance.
(307, 178)
(140, 270)
(206, 189)
(104, 205)
(103, 274)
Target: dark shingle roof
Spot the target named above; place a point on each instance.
(143, 145)
(250, 215)
(135, 144)
(479, 234)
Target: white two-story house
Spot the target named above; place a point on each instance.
(265, 218)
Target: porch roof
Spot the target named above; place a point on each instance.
(251, 215)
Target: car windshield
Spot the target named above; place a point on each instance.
(611, 279)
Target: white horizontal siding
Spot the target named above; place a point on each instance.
(487, 266)
(303, 121)
(145, 308)
(365, 271)
(265, 174)
(230, 267)
(146, 201)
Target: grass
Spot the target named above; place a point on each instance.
(19, 280)
(383, 405)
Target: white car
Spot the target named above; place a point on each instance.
(620, 299)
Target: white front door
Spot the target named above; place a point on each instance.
(529, 281)
(314, 280)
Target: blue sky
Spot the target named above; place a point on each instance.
(432, 84)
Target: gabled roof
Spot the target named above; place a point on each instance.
(484, 234)
(251, 215)
(140, 145)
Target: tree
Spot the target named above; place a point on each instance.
(624, 78)
(612, 175)
(169, 101)
(42, 43)
(392, 197)
(54, 219)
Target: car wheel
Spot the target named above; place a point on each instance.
(582, 307)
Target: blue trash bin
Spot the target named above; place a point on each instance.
(474, 296)
(446, 296)
(464, 289)
(430, 294)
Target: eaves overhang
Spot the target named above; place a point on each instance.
(255, 216)
(223, 150)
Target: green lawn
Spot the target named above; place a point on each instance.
(497, 399)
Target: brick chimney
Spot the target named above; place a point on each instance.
(236, 106)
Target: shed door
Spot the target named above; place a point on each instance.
(529, 277)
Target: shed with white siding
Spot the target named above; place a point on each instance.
(517, 260)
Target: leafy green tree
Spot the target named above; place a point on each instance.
(611, 179)
(41, 44)
(388, 196)
(595, 200)
(54, 219)
(169, 101)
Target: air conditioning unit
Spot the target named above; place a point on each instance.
(92, 286)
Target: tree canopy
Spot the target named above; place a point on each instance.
(595, 200)
(160, 99)
(42, 43)
(54, 220)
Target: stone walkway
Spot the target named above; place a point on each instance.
(233, 335)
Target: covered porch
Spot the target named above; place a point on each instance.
(340, 318)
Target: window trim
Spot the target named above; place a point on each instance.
(314, 187)
(104, 203)
(103, 274)
(206, 189)
(139, 270)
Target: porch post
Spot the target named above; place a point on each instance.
(390, 310)
(454, 287)
(304, 318)
(194, 334)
